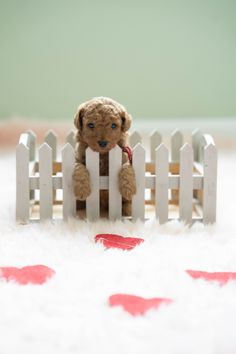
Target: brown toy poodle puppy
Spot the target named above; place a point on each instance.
(101, 124)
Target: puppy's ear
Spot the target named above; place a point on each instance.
(126, 120)
(78, 119)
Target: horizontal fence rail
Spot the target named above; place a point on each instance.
(183, 176)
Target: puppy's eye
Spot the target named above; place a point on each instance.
(91, 125)
(114, 125)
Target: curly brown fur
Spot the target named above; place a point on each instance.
(93, 121)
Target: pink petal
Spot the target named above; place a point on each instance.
(137, 305)
(37, 274)
(118, 241)
(221, 277)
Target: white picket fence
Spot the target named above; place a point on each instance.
(185, 178)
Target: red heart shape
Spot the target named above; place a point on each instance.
(37, 274)
(221, 277)
(137, 305)
(118, 241)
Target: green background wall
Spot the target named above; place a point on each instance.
(159, 58)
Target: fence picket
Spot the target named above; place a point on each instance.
(51, 140)
(162, 182)
(45, 183)
(210, 184)
(22, 184)
(70, 138)
(155, 141)
(115, 200)
(134, 139)
(138, 201)
(186, 184)
(196, 137)
(93, 200)
(176, 143)
(68, 162)
(32, 144)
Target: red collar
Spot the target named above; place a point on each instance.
(129, 152)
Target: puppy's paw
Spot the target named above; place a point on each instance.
(127, 183)
(126, 208)
(82, 188)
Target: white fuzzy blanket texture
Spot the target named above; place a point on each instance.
(70, 313)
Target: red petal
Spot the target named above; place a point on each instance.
(221, 277)
(37, 274)
(117, 241)
(136, 305)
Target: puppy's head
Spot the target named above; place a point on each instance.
(102, 123)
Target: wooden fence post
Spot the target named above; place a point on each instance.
(138, 201)
(22, 183)
(51, 140)
(32, 144)
(186, 184)
(155, 141)
(115, 200)
(162, 183)
(134, 139)
(196, 137)
(68, 163)
(93, 200)
(70, 138)
(209, 184)
(45, 181)
(176, 143)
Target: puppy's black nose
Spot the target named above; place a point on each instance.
(102, 143)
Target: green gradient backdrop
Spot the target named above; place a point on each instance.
(159, 58)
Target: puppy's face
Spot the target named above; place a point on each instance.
(101, 123)
(101, 133)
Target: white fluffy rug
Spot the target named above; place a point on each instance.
(70, 313)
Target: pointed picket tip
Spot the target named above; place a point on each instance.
(155, 140)
(138, 149)
(89, 151)
(196, 142)
(161, 148)
(45, 148)
(136, 134)
(51, 140)
(32, 134)
(210, 147)
(21, 146)
(186, 148)
(135, 138)
(24, 139)
(51, 134)
(71, 133)
(176, 142)
(22, 151)
(70, 138)
(67, 148)
(156, 135)
(176, 132)
(208, 139)
(177, 135)
(196, 132)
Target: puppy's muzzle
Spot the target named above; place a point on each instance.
(102, 143)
